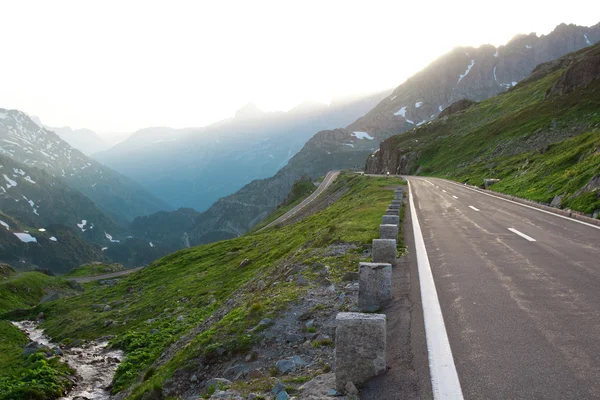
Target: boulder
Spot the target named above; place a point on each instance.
(360, 348)
(285, 366)
(245, 263)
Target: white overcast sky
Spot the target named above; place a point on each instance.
(117, 66)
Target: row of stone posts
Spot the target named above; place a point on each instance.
(360, 339)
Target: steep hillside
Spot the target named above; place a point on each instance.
(541, 138)
(45, 223)
(464, 72)
(222, 310)
(196, 166)
(24, 141)
(84, 140)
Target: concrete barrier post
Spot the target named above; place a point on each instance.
(360, 348)
(388, 231)
(394, 206)
(384, 251)
(374, 286)
(390, 219)
(394, 211)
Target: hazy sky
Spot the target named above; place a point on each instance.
(117, 66)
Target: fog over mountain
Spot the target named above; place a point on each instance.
(194, 167)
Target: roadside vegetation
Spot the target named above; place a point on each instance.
(300, 191)
(539, 145)
(194, 305)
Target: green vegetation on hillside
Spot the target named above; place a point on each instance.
(93, 270)
(301, 190)
(27, 376)
(153, 309)
(539, 146)
(25, 289)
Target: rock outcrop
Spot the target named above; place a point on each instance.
(457, 106)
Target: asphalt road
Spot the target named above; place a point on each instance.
(519, 292)
(106, 276)
(328, 180)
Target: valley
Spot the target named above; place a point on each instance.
(214, 262)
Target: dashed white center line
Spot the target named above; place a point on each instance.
(455, 197)
(429, 182)
(444, 191)
(522, 234)
(476, 209)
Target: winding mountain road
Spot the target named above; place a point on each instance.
(117, 274)
(327, 181)
(519, 294)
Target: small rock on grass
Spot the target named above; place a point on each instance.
(282, 396)
(279, 386)
(285, 366)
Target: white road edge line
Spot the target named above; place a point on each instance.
(455, 197)
(525, 205)
(522, 234)
(474, 208)
(444, 378)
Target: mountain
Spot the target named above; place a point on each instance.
(194, 167)
(45, 223)
(541, 139)
(84, 140)
(119, 197)
(465, 72)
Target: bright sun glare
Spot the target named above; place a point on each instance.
(117, 66)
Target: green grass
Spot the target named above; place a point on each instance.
(93, 270)
(153, 308)
(300, 191)
(24, 290)
(32, 376)
(539, 147)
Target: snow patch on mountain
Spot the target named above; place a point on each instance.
(82, 224)
(362, 135)
(587, 40)
(11, 183)
(401, 112)
(466, 72)
(25, 237)
(53, 238)
(418, 104)
(110, 238)
(4, 224)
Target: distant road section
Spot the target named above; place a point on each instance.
(105, 276)
(329, 178)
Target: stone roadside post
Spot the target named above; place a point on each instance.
(360, 348)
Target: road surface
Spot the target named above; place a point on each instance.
(519, 294)
(328, 180)
(105, 276)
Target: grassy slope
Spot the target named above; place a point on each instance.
(25, 290)
(181, 290)
(507, 137)
(299, 192)
(93, 270)
(32, 376)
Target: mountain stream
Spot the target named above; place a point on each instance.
(93, 363)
